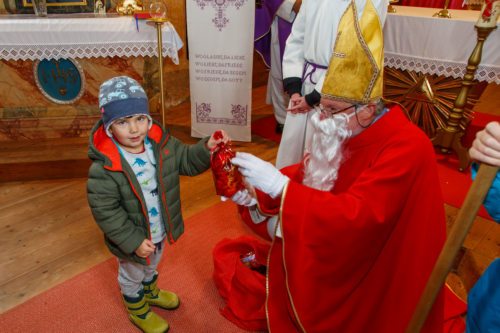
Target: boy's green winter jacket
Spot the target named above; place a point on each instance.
(115, 196)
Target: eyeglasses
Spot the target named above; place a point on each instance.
(329, 112)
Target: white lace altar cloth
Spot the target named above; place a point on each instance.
(25, 37)
(416, 41)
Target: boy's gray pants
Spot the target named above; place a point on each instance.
(132, 274)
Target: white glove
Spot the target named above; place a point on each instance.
(271, 227)
(261, 174)
(242, 198)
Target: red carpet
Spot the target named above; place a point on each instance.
(454, 183)
(265, 127)
(478, 123)
(90, 302)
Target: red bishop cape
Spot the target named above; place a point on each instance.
(356, 259)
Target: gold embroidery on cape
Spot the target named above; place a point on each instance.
(279, 224)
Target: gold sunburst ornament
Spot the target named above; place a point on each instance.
(428, 99)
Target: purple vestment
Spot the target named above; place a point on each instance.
(262, 36)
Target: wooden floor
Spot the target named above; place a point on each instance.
(47, 233)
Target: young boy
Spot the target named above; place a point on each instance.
(133, 192)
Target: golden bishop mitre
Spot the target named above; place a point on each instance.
(355, 71)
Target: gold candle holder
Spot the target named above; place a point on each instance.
(444, 13)
(159, 22)
(391, 9)
(449, 137)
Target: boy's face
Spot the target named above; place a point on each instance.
(130, 132)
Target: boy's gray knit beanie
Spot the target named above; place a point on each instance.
(121, 97)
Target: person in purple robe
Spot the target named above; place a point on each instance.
(273, 23)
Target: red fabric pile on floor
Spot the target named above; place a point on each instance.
(242, 287)
(454, 312)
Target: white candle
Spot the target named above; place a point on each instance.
(489, 14)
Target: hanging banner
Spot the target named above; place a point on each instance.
(220, 44)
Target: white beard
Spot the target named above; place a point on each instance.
(324, 156)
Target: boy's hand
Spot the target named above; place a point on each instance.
(145, 249)
(216, 138)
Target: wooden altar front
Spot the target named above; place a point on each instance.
(102, 47)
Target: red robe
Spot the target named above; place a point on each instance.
(356, 259)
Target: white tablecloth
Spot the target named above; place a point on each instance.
(414, 40)
(82, 36)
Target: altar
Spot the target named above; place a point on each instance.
(415, 40)
(98, 48)
(425, 61)
(82, 36)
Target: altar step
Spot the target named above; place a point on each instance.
(44, 159)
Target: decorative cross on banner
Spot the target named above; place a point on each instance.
(220, 6)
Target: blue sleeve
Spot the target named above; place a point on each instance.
(492, 201)
(483, 302)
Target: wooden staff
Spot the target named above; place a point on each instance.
(465, 218)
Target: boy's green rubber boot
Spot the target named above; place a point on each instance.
(141, 315)
(157, 297)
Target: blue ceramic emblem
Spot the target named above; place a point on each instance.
(61, 81)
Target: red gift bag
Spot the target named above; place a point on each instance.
(227, 178)
(243, 286)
